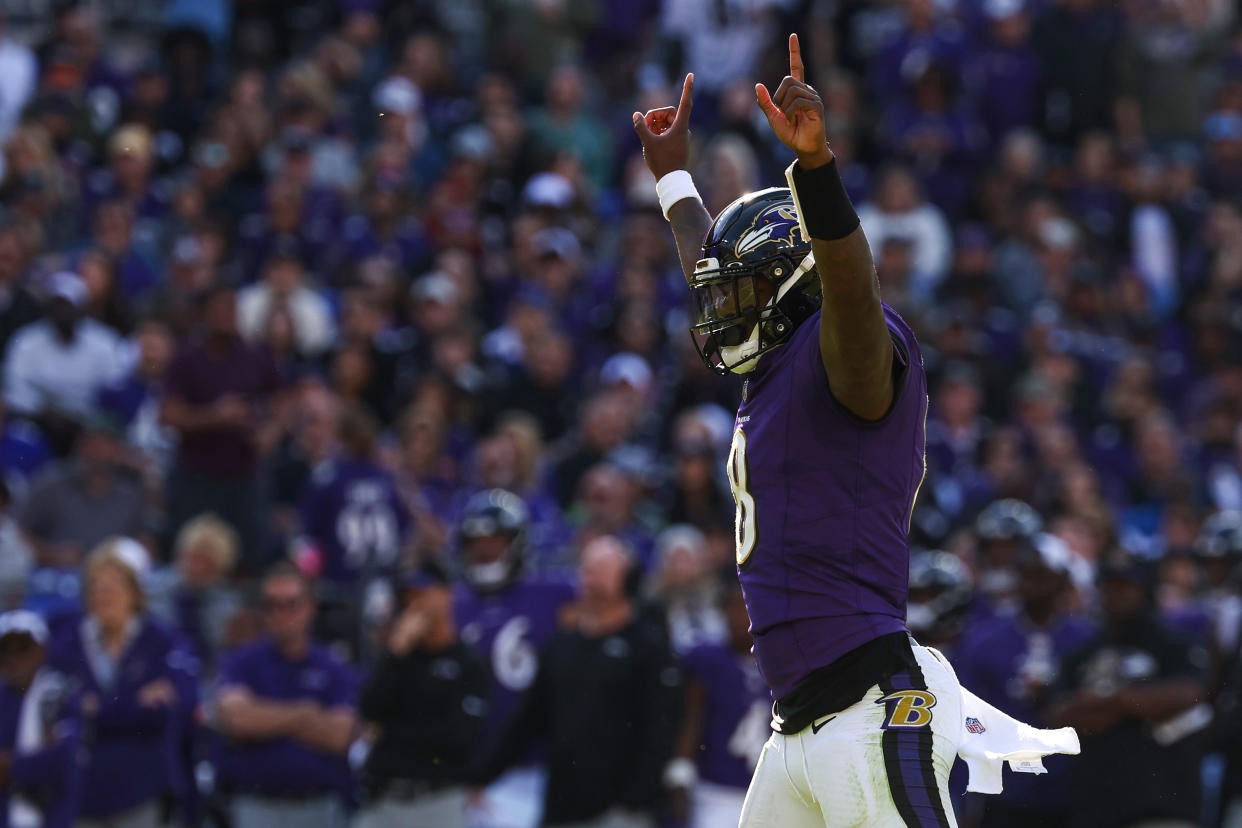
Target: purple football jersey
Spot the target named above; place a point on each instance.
(823, 506)
(509, 628)
(736, 717)
(353, 512)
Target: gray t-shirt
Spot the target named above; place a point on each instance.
(59, 509)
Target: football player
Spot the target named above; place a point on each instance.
(725, 726)
(506, 614)
(826, 461)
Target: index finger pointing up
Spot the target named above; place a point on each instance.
(687, 101)
(795, 59)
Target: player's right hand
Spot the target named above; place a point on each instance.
(665, 133)
(795, 112)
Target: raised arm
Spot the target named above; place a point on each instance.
(854, 339)
(665, 135)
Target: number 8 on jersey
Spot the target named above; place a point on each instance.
(745, 529)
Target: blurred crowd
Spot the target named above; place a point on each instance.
(356, 463)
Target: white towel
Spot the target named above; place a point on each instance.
(990, 738)
(32, 737)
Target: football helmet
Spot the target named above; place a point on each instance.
(500, 514)
(939, 596)
(1220, 536)
(755, 283)
(1008, 520)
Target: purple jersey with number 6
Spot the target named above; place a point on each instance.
(508, 628)
(823, 506)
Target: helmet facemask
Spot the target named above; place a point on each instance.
(746, 309)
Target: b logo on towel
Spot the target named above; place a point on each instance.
(908, 709)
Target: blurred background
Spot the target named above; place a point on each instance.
(297, 297)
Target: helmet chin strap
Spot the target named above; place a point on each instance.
(741, 357)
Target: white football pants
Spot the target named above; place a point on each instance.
(883, 762)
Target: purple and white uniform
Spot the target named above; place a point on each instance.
(509, 628)
(352, 511)
(867, 726)
(736, 715)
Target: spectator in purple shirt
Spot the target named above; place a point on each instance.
(927, 36)
(128, 177)
(285, 709)
(113, 232)
(138, 684)
(1004, 77)
(357, 523)
(222, 396)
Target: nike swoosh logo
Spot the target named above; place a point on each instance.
(815, 727)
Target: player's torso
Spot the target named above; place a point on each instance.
(508, 629)
(824, 499)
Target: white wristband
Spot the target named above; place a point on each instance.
(673, 187)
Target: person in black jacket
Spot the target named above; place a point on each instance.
(428, 697)
(607, 697)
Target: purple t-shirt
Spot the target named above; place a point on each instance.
(737, 715)
(283, 767)
(824, 504)
(200, 377)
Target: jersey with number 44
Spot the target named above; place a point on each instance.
(823, 501)
(508, 629)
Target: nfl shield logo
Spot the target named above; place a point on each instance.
(974, 725)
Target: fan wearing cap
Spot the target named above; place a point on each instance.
(507, 613)
(1012, 659)
(54, 367)
(428, 696)
(40, 729)
(400, 120)
(1135, 689)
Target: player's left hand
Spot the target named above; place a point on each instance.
(796, 112)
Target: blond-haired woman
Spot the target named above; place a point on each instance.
(136, 681)
(194, 593)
